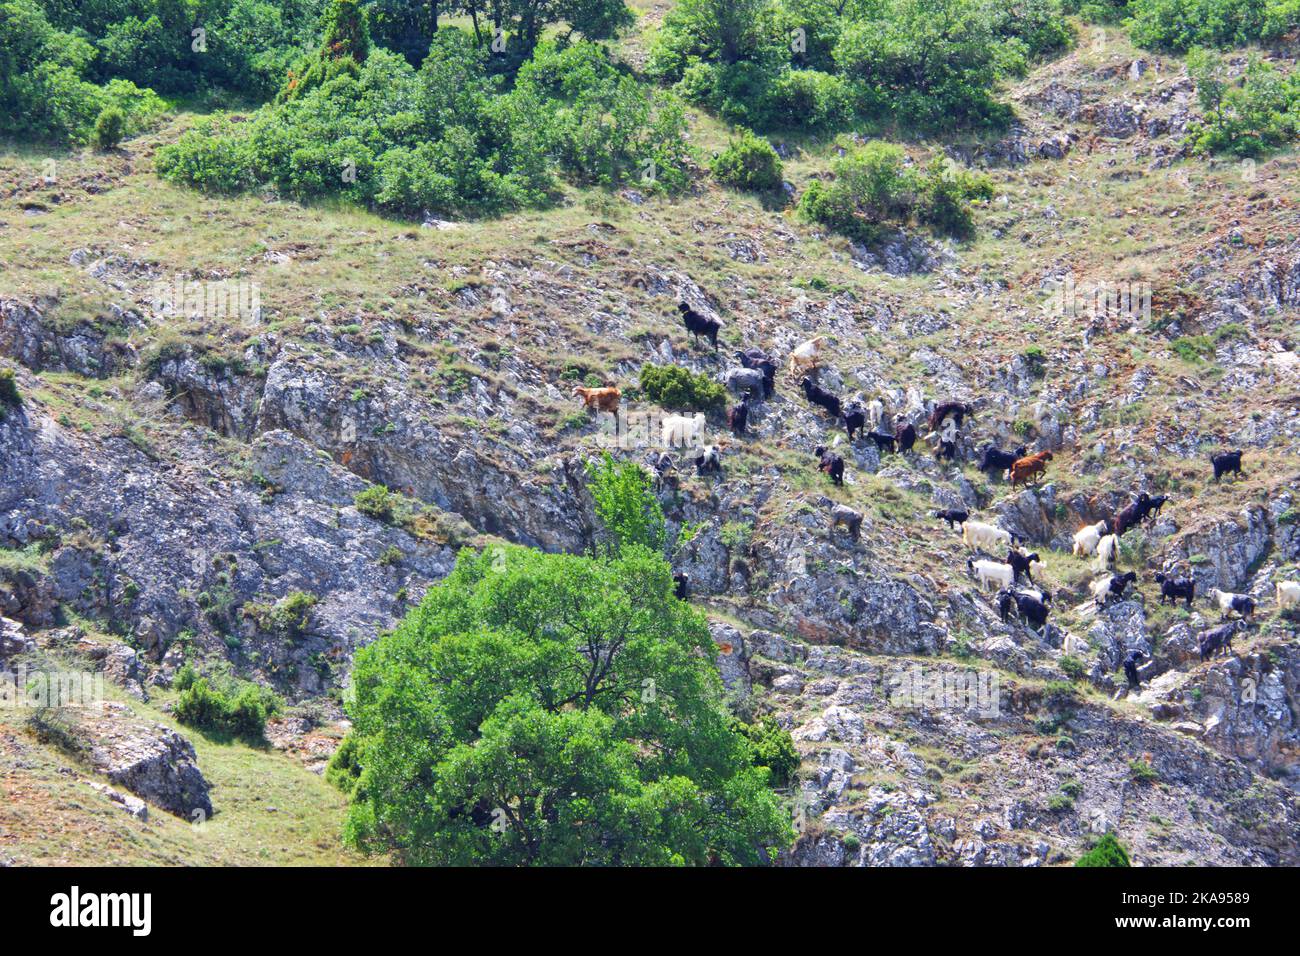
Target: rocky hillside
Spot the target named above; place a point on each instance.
(175, 474)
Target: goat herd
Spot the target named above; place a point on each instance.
(754, 380)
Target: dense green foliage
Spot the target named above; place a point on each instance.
(9, 394)
(541, 709)
(773, 748)
(679, 389)
(1246, 116)
(1179, 25)
(816, 64)
(749, 162)
(1107, 851)
(231, 707)
(446, 138)
(625, 504)
(873, 186)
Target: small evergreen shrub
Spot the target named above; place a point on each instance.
(110, 128)
(375, 502)
(749, 163)
(1107, 851)
(679, 389)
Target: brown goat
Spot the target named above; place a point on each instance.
(601, 399)
(1029, 467)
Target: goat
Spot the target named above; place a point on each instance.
(1131, 661)
(699, 325)
(1226, 463)
(952, 516)
(976, 534)
(844, 515)
(1229, 602)
(819, 396)
(1032, 609)
(747, 380)
(1086, 538)
(994, 459)
(1005, 601)
(855, 419)
(1217, 639)
(1288, 594)
(875, 413)
(1107, 552)
(1174, 588)
(681, 431)
(1152, 507)
(758, 359)
(1131, 514)
(905, 437)
(883, 441)
(738, 418)
(958, 410)
(831, 464)
(709, 459)
(1113, 585)
(991, 572)
(601, 399)
(806, 357)
(681, 585)
(1020, 563)
(1022, 469)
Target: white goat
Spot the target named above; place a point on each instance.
(1288, 594)
(976, 534)
(682, 431)
(875, 413)
(806, 357)
(1101, 589)
(1086, 538)
(1107, 552)
(991, 572)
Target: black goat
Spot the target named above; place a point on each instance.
(954, 516)
(905, 437)
(1006, 600)
(884, 442)
(855, 420)
(681, 585)
(1175, 588)
(1152, 508)
(1020, 563)
(756, 358)
(738, 418)
(709, 459)
(1118, 582)
(1225, 463)
(831, 464)
(994, 459)
(1218, 639)
(699, 325)
(1033, 610)
(1131, 514)
(819, 396)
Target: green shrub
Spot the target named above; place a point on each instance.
(773, 748)
(1245, 116)
(240, 709)
(344, 767)
(1107, 851)
(679, 389)
(749, 163)
(1073, 668)
(1142, 772)
(1179, 25)
(9, 394)
(375, 502)
(110, 127)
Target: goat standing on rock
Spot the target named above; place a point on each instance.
(819, 396)
(851, 519)
(831, 464)
(699, 325)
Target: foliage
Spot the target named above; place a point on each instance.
(110, 127)
(1107, 851)
(679, 389)
(749, 162)
(550, 709)
(1247, 116)
(344, 767)
(9, 394)
(237, 708)
(375, 502)
(772, 747)
(625, 504)
(1179, 25)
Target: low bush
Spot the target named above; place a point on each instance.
(240, 709)
(679, 389)
(1107, 851)
(750, 163)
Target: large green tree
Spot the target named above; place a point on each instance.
(541, 709)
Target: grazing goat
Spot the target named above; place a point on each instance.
(976, 534)
(747, 380)
(758, 359)
(699, 325)
(1229, 602)
(819, 396)
(1086, 538)
(1131, 514)
(991, 572)
(682, 431)
(958, 410)
(1022, 469)
(855, 420)
(844, 515)
(681, 585)
(1112, 586)
(1107, 552)
(1225, 463)
(1032, 609)
(830, 463)
(1217, 639)
(1174, 588)
(884, 443)
(601, 399)
(1020, 563)
(709, 459)
(738, 418)
(806, 357)
(994, 459)
(1288, 594)
(952, 516)
(905, 437)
